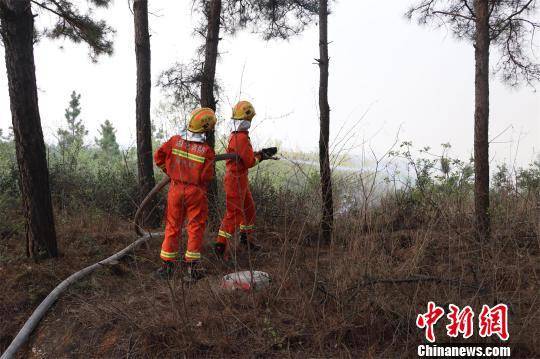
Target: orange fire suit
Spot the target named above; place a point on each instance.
(240, 208)
(189, 164)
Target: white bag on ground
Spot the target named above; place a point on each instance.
(245, 280)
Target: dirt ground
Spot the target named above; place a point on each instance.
(358, 299)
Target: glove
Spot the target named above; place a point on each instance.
(268, 153)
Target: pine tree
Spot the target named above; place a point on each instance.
(327, 217)
(18, 35)
(269, 18)
(145, 162)
(507, 25)
(107, 140)
(78, 27)
(71, 138)
(195, 82)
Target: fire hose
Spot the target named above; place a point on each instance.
(38, 314)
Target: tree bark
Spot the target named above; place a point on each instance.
(481, 120)
(145, 164)
(207, 86)
(324, 137)
(17, 30)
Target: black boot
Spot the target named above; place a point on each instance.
(166, 271)
(222, 255)
(249, 244)
(219, 250)
(195, 272)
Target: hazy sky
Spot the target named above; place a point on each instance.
(386, 73)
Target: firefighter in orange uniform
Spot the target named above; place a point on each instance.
(240, 208)
(188, 160)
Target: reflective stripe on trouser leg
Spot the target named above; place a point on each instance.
(247, 228)
(223, 237)
(168, 256)
(192, 256)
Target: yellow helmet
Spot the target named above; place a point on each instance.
(202, 120)
(243, 110)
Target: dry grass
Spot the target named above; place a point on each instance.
(356, 297)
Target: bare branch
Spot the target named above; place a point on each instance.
(453, 14)
(511, 26)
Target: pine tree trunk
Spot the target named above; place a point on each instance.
(17, 30)
(481, 120)
(144, 125)
(207, 86)
(324, 138)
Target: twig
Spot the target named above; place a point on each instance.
(414, 279)
(42, 309)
